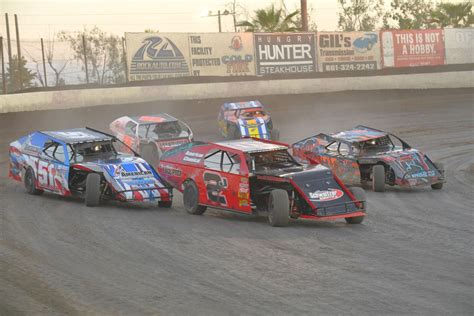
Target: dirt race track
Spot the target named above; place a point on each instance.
(413, 254)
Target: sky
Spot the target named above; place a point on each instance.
(44, 18)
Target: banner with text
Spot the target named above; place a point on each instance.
(338, 51)
(412, 48)
(459, 46)
(222, 54)
(157, 55)
(282, 53)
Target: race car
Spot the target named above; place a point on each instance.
(246, 119)
(84, 162)
(151, 135)
(364, 155)
(250, 175)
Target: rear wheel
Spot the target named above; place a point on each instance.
(378, 178)
(440, 167)
(233, 132)
(359, 195)
(93, 189)
(151, 154)
(191, 199)
(278, 208)
(30, 183)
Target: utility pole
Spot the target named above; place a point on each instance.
(85, 57)
(125, 59)
(44, 64)
(4, 79)
(20, 80)
(304, 15)
(9, 48)
(219, 19)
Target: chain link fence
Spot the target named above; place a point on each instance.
(55, 63)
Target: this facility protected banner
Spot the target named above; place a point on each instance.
(282, 53)
(459, 46)
(412, 48)
(351, 51)
(222, 54)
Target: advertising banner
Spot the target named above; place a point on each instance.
(459, 46)
(282, 53)
(222, 54)
(338, 51)
(157, 55)
(412, 48)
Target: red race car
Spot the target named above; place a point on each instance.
(250, 175)
(150, 135)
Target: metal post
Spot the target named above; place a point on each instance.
(304, 15)
(20, 80)
(125, 59)
(44, 64)
(235, 22)
(9, 49)
(85, 57)
(219, 20)
(4, 80)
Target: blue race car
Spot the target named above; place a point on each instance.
(85, 162)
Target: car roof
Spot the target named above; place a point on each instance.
(241, 105)
(78, 135)
(359, 133)
(251, 145)
(153, 118)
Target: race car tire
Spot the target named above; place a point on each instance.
(378, 178)
(359, 195)
(30, 182)
(191, 199)
(93, 189)
(275, 135)
(151, 155)
(233, 132)
(440, 167)
(278, 208)
(165, 204)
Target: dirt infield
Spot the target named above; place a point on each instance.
(412, 255)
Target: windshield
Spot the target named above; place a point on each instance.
(278, 159)
(252, 113)
(98, 150)
(165, 130)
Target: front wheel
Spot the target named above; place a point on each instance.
(30, 183)
(359, 195)
(278, 208)
(378, 178)
(275, 135)
(150, 154)
(93, 189)
(233, 132)
(191, 199)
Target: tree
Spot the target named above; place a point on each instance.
(104, 54)
(27, 76)
(271, 20)
(408, 14)
(453, 15)
(359, 15)
(57, 67)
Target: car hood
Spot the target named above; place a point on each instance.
(320, 188)
(131, 177)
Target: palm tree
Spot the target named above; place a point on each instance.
(271, 20)
(453, 14)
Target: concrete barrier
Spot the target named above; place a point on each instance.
(36, 101)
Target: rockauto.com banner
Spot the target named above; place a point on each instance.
(338, 51)
(282, 53)
(412, 48)
(459, 46)
(222, 54)
(157, 55)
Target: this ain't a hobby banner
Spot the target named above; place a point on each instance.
(280, 53)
